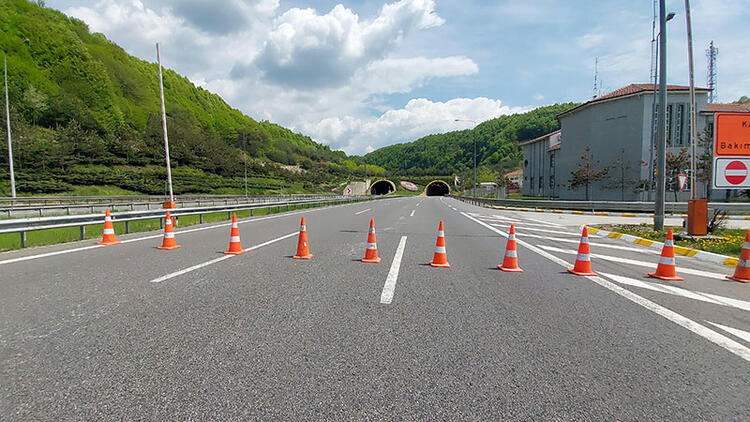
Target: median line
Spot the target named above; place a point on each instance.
(219, 259)
(390, 282)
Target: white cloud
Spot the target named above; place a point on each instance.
(308, 50)
(418, 118)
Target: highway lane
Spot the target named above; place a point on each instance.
(86, 335)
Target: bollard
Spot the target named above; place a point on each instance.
(83, 232)
(127, 227)
(23, 239)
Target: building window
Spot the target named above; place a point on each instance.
(678, 124)
(541, 183)
(531, 184)
(552, 182)
(670, 142)
(552, 161)
(525, 163)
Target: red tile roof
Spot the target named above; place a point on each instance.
(632, 89)
(518, 172)
(541, 138)
(728, 108)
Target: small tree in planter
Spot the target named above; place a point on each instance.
(587, 172)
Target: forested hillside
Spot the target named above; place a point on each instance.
(497, 145)
(84, 112)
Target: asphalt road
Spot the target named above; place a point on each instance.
(129, 332)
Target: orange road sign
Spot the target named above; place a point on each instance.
(732, 134)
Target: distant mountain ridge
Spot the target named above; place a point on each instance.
(447, 153)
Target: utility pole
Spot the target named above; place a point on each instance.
(693, 130)
(164, 126)
(10, 143)
(244, 159)
(661, 126)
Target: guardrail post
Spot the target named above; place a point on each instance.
(251, 212)
(161, 223)
(23, 239)
(92, 209)
(229, 215)
(83, 232)
(127, 227)
(40, 212)
(200, 218)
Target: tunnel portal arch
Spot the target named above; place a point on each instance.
(382, 187)
(437, 188)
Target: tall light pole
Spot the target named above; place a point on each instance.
(10, 143)
(653, 121)
(693, 130)
(474, 138)
(661, 125)
(164, 126)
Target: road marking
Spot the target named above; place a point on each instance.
(544, 231)
(156, 236)
(390, 282)
(545, 222)
(733, 331)
(597, 244)
(521, 223)
(639, 263)
(412, 213)
(358, 213)
(219, 259)
(678, 291)
(710, 335)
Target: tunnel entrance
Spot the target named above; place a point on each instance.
(382, 187)
(437, 188)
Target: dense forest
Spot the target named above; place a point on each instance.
(452, 153)
(84, 112)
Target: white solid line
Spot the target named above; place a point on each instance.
(177, 232)
(544, 222)
(639, 263)
(44, 255)
(412, 213)
(597, 244)
(662, 288)
(219, 259)
(712, 336)
(390, 282)
(545, 231)
(733, 331)
(358, 213)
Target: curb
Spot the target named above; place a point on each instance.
(681, 250)
(606, 213)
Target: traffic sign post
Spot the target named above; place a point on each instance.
(731, 172)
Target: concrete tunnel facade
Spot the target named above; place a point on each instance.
(437, 188)
(382, 187)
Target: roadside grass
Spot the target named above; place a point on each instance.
(11, 241)
(727, 241)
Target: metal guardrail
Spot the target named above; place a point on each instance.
(24, 225)
(57, 206)
(594, 206)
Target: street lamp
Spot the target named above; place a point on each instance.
(10, 143)
(474, 138)
(653, 121)
(661, 151)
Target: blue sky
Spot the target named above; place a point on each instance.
(359, 75)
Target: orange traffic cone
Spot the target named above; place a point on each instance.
(666, 269)
(510, 261)
(303, 248)
(742, 271)
(371, 253)
(169, 242)
(109, 230)
(583, 260)
(235, 246)
(440, 258)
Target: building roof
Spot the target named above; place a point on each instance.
(518, 172)
(727, 108)
(541, 138)
(632, 89)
